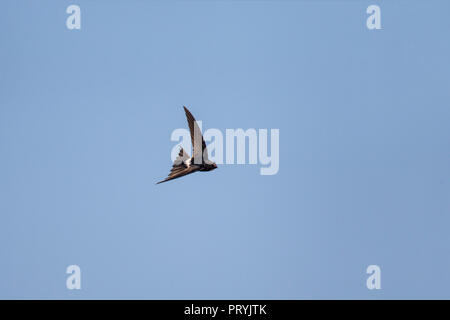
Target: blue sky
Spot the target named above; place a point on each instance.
(85, 123)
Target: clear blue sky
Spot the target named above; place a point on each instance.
(85, 124)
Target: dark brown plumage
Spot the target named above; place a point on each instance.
(183, 164)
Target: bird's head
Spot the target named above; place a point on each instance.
(210, 166)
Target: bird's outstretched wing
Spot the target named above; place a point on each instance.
(180, 168)
(198, 144)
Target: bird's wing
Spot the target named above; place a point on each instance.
(179, 167)
(181, 158)
(179, 173)
(196, 135)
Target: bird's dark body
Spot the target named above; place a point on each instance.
(183, 164)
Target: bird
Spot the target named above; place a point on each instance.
(183, 164)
